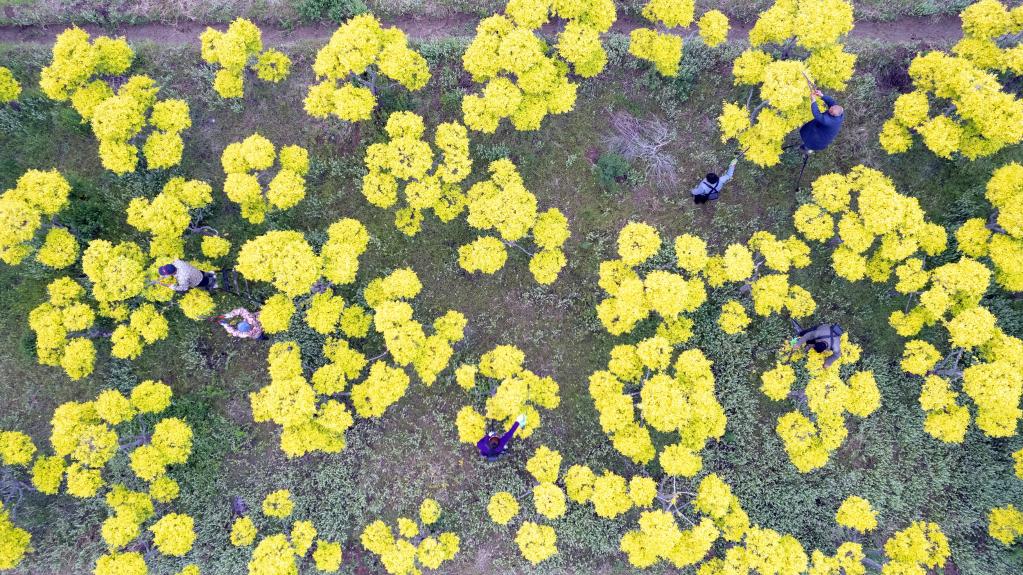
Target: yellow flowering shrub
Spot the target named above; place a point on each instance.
(813, 431)
(174, 534)
(243, 164)
(10, 89)
(358, 50)
(1005, 524)
(516, 391)
(408, 169)
(503, 507)
(36, 195)
(664, 49)
(885, 232)
(243, 532)
(536, 542)
(237, 49)
(399, 555)
(525, 78)
(919, 547)
(856, 513)
(979, 117)
(278, 504)
(788, 40)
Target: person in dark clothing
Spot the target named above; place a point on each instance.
(822, 338)
(819, 132)
(492, 446)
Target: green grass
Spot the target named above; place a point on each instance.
(411, 453)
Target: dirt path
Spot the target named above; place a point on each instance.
(927, 30)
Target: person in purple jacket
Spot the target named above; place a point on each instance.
(819, 132)
(492, 446)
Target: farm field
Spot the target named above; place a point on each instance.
(618, 163)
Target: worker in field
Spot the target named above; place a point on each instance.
(710, 188)
(247, 326)
(818, 133)
(821, 338)
(493, 446)
(182, 276)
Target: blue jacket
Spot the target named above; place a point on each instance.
(819, 132)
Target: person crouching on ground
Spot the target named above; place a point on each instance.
(249, 326)
(186, 277)
(822, 338)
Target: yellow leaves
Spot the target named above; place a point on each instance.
(174, 534)
(503, 507)
(971, 328)
(16, 448)
(831, 66)
(254, 154)
(113, 407)
(130, 563)
(278, 504)
(662, 49)
(981, 117)
(1005, 524)
(784, 85)
(507, 47)
(55, 324)
(327, 556)
(273, 66)
(713, 27)
(235, 50)
(10, 89)
(429, 511)
(486, 254)
(750, 68)
(642, 491)
(76, 60)
(777, 383)
(197, 304)
(536, 542)
(894, 137)
(283, 258)
(151, 396)
(22, 208)
(428, 179)
(273, 554)
(356, 46)
(398, 555)
(995, 387)
(544, 465)
(119, 530)
(856, 513)
(919, 357)
(549, 500)
(637, 242)
(47, 474)
(808, 441)
(912, 109)
(382, 387)
(921, 545)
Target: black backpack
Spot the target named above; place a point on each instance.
(714, 193)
